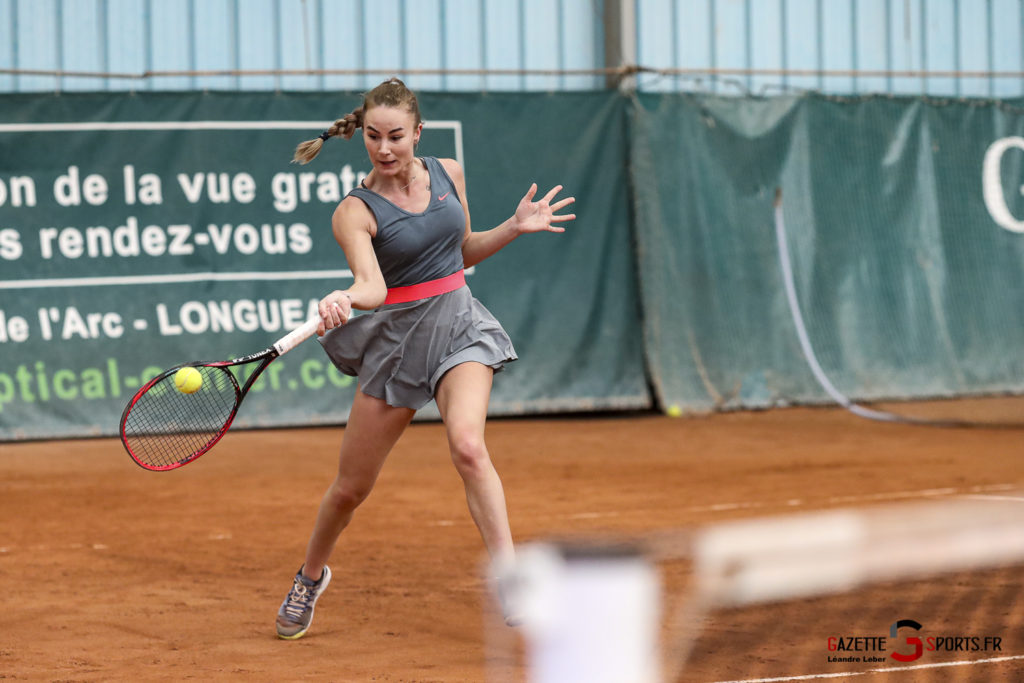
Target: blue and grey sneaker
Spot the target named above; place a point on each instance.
(296, 613)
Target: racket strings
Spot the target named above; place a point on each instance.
(167, 427)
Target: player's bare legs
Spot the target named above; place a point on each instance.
(372, 430)
(462, 397)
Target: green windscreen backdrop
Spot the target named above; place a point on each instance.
(904, 221)
(139, 231)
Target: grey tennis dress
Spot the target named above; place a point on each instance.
(400, 351)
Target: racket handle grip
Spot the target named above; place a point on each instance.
(296, 336)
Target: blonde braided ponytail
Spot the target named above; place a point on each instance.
(345, 127)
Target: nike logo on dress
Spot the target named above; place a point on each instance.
(441, 198)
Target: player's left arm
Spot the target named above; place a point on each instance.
(530, 216)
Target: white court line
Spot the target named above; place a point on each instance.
(995, 487)
(725, 507)
(974, 491)
(888, 669)
(46, 548)
(896, 495)
(592, 515)
(1016, 499)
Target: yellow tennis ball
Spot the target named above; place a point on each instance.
(674, 411)
(188, 380)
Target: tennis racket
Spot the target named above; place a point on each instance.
(163, 428)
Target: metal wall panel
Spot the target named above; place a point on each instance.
(36, 25)
(128, 29)
(137, 36)
(833, 38)
(820, 42)
(8, 42)
(82, 43)
(216, 44)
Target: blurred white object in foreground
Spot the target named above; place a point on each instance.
(589, 614)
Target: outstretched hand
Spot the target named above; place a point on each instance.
(538, 216)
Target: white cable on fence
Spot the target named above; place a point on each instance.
(801, 329)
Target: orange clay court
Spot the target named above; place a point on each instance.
(109, 572)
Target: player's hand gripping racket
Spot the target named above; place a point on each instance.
(164, 427)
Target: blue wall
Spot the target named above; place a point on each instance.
(838, 35)
(136, 36)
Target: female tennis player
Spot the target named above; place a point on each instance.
(406, 236)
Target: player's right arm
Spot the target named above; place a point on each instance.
(354, 226)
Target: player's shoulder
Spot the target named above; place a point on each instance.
(351, 204)
(452, 168)
(352, 210)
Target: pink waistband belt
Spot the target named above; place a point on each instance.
(425, 290)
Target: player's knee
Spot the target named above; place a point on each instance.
(345, 496)
(469, 453)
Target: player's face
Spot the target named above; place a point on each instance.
(390, 135)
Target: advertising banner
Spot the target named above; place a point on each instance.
(139, 231)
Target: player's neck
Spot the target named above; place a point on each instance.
(406, 182)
